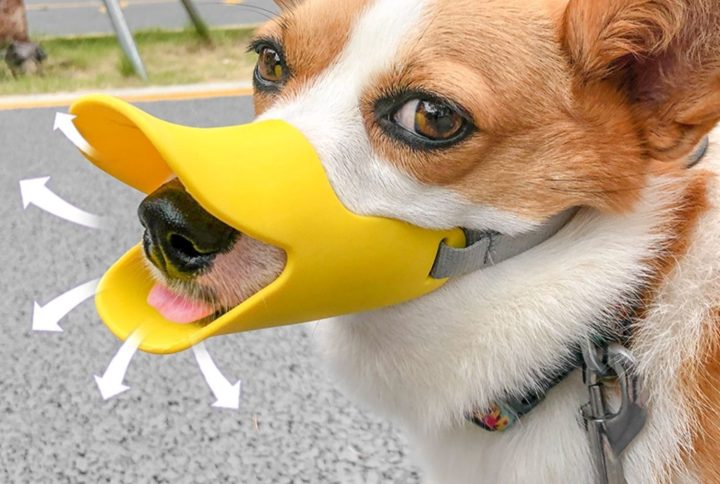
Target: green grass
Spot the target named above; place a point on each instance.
(180, 57)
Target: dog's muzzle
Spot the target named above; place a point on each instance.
(265, 180)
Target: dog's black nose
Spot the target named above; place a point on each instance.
(181, 238)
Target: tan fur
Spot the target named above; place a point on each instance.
(665, 56)
(602, 35)
(686, 216)
(13, 24)
(531, 110)
(701, 376)
(528, 116)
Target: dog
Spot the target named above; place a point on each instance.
(496, 116)
(24, 58)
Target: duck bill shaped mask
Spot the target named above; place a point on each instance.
(265, 180)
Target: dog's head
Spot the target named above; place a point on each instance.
(489, 115)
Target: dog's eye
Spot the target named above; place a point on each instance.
(271, 69)
(433, 120)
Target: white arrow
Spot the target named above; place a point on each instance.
(111, 383)
(46, 318)
(228, 395)
(34, 191)
(64, 122)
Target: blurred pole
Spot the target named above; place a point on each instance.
(200, 25)
(125, 37)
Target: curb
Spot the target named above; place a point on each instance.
(145, 94)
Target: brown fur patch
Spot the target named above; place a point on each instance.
(553, 133)
(602, 35)
(701, 377)
(679, 230)
(540, 147)
(664, 55)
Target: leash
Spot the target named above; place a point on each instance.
(611, 432)
(602, 362)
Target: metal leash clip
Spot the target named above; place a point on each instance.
(610, 432)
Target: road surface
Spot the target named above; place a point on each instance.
(73, 17)
(293, 426)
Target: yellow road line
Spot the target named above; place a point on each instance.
(130, 97)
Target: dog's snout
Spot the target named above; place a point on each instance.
(181, 238)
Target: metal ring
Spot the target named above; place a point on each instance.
(590, 356)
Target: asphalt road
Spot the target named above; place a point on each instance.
(292, 425)
(72, 17)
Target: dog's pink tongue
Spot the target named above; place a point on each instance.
(177, 308)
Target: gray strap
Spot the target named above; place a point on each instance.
(699, 152)
(488, 248)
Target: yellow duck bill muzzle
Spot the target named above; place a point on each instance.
(265, 180)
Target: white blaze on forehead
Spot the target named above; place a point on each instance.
(327, 111)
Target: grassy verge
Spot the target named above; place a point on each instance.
(170, 58)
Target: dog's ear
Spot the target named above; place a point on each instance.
(664, 55)
(286, 4)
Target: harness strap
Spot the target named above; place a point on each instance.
(505, 412)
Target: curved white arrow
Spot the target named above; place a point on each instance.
(47, 317)
(111, 383)
(34, 191)
(228, 395)
(64, 123)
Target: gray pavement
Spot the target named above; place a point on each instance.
(54, 426)
(73, 17)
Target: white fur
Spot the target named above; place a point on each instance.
(428, 361)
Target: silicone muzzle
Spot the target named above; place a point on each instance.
(265, 180)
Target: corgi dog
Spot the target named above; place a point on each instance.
(497, 117)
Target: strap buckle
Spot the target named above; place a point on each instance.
(610, 432)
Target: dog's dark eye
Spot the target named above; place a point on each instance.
(434, 120)
(423, 120)
(271, 69)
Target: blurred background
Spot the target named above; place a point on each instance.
(69, 45)
(292, 426)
